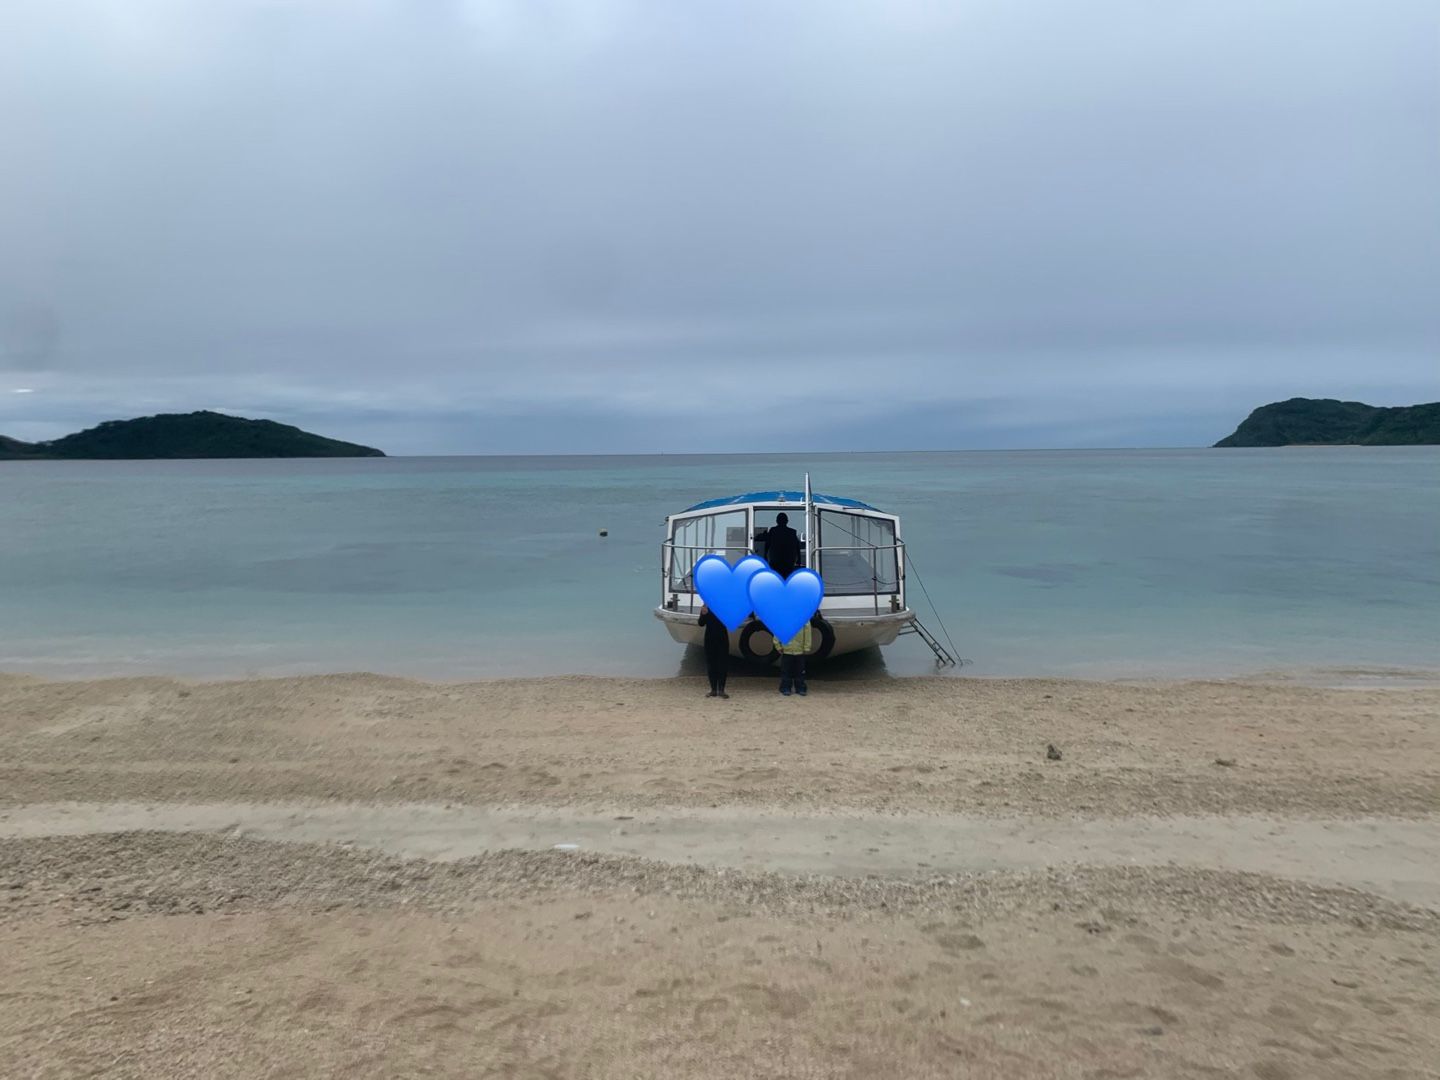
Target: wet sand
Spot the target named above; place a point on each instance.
(358, 876)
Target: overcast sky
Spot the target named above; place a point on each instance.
(611, 226)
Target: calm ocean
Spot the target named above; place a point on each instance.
(1088, 563)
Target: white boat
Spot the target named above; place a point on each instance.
(854, 547)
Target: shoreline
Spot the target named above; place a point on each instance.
(1322, 677)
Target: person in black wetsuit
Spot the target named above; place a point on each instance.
(782, 546)
(717, 652)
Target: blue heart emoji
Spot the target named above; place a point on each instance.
(784, 605)
(725, 588)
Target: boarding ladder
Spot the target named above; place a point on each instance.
(942, 654)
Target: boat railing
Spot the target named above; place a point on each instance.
(873, 550)
(671, 594)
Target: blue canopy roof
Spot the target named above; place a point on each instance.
(797, 497)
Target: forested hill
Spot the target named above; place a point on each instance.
(187, 435)
(1320, 421)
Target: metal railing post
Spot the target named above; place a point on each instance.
(874, 580)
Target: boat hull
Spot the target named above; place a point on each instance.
(852, 632)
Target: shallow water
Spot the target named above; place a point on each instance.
(1091, 563)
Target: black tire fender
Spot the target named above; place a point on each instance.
(827, 640)
(751, 628)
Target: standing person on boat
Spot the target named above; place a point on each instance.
(792, 660)
(782, 545)
(717, 652)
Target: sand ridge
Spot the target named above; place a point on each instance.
(1393, 857)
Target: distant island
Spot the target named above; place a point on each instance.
(202, 434)
(1327, 422)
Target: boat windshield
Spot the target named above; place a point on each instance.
(726, 534)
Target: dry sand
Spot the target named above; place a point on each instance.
(887, 878)
(926, 745)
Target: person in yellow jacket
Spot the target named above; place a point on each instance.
(792, 660)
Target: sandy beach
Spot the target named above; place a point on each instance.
(565, 877)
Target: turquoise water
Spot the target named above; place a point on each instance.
(1092, 563)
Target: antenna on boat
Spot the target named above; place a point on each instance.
(809, 512)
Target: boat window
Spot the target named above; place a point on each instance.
(726, 534)
(857, 554)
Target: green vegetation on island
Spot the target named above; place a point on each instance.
(14, 448)
(1325, 421)
(202, 434)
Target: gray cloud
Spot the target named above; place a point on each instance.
(629, 226)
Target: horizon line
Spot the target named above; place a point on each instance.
(812, 453)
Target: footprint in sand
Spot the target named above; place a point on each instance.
(766, 1000)
(739, 774)
(955, 943)
(1180, 969)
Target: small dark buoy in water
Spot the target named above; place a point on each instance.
(604, 532)
(1051, 753)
